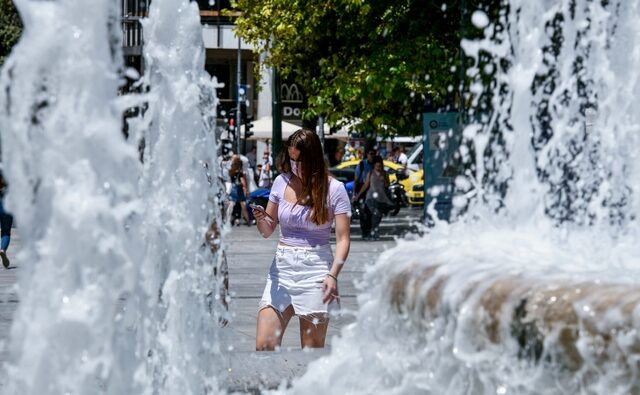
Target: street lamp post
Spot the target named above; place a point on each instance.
(276, 136)
(238, 97)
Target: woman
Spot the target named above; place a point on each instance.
(376, 199)
(239, 188)
(303, 279)
(265, 172)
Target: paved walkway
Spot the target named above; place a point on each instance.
(249, 257)
(8, 297)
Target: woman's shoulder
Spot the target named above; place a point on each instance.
(280, 182)
(282, 177)
(335, 185)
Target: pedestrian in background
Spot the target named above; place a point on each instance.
(362, 170)
(239, 188)
(257, 174)
(251, 156)
(401, 158)
(264, 179)
(6, 222)
(337, 156)
(303, 279)
(375, 192)
(224, 164)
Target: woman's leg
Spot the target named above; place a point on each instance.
(245, 213)
(270, 327)
(313, 331)
(229, 211)
(376, 218)
(6, 221)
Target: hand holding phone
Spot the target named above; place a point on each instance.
(262, 210)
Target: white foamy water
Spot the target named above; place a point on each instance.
(554, 202)
(114, 274)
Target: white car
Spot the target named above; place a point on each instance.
(414, 157)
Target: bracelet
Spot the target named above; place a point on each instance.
(332, 276)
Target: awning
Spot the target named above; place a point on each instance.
(263, 130)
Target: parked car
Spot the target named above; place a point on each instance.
(415, 157)
(415, 195)
(343, 175)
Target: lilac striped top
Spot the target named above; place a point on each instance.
(295, 227)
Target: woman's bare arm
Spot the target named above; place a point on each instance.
(245, 188)
(343, 244)
(365, 186)
(267, 223)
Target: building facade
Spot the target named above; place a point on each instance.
(222, 47)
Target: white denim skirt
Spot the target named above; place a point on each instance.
(296, 278)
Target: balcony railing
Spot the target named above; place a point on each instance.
(211, 12)
(132, 12)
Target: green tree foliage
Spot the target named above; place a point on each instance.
(372, 60)
(10, 28)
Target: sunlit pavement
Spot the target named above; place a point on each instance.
(8, 296)
(249, 257)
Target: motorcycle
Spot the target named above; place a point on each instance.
(398, 197)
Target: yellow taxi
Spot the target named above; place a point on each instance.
(415, 177)
(415, 194)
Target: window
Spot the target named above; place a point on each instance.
(213, 5)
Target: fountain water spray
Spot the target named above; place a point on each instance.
(534, 290)
(115, 269)
(179, 201)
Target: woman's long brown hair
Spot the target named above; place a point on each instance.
(315, 175)
(236, 165)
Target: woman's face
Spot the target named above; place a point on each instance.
(294, 154)
(296, 163)
(378, 167)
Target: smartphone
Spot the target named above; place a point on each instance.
(258, 208)
(262, 210)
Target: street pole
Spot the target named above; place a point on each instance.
(238, 114)
(276, 115)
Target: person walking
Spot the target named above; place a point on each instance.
(6, 222)
(264, 179)
(303, 279)
(224, 164)
(375, 188)
(362, 170)
(251, 157)
(337, 157)
(257, 174)
(239, 188)
(401, 158)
